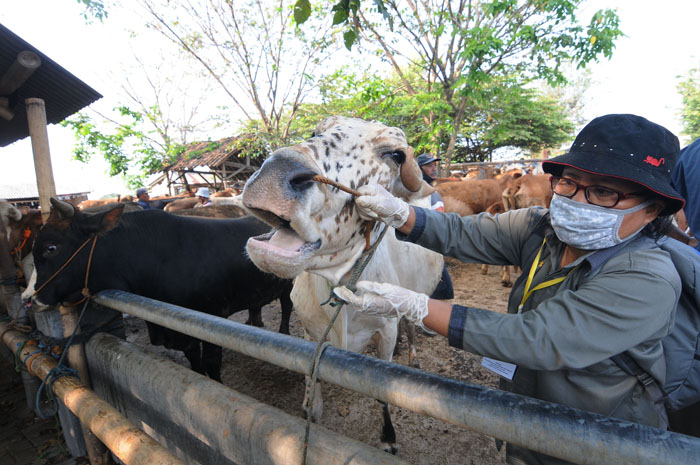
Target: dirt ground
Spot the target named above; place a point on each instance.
(422, 440)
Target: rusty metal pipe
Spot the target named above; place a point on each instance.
(564, 432)
(131, 445)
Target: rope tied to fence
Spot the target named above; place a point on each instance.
(332, 300)
(57, 372)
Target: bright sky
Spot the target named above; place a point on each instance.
(662, 42)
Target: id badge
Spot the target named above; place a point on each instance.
(504, 369)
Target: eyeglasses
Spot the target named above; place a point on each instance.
(596, 195)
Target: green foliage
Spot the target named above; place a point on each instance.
(127, 145)
(689, 88)
(505, 114)
(94, 9)
(252, 145)
(302, 11)
(210, 147)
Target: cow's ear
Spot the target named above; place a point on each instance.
(14, 213)
(37, 219)
(103, 222)
(61, 213)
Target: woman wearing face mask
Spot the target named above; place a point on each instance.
(594, 283)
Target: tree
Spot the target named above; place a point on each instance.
(689, 88)
(253, 51)
(511, 116)
(94, 9)
(461, 47)
(147, 132)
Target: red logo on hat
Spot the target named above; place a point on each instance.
(653, 161)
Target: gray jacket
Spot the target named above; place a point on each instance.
(563, 338)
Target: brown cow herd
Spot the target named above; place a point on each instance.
(492, 191)
(484, 189)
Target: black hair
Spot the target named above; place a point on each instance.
(659, 227)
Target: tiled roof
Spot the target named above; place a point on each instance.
(210, 153)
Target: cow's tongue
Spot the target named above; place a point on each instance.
(287, 239)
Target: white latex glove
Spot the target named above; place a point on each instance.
(376, 203)
(386, 300)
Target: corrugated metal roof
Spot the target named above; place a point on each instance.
(63, 93)
(211, 153)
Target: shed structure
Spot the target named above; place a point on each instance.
(214, 164)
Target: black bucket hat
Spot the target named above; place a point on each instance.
(627, 147)
(425, 158)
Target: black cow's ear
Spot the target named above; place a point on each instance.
(104, 222)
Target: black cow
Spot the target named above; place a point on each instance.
(197, 263)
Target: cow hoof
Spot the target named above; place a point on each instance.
(506, 284)
(483, 271)
(393, 449)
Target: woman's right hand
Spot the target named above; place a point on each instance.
(376, 203)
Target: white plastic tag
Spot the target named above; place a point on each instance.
(505, 369)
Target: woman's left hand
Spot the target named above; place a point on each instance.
(386, 300)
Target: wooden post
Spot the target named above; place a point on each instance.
(36, 118)
(19, 71)
(97, 452)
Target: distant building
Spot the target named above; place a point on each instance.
(28, 195)
(213, 164)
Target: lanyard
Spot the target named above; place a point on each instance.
(535, 265)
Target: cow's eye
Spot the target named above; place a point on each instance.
(398, 156)
(49, 250)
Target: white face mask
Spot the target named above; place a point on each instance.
(589, 227)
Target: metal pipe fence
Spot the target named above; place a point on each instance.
(557, 430)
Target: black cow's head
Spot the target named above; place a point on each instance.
(65, 231)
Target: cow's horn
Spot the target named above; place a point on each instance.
(64, 208)
(410, 172)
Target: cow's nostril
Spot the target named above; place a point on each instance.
(302, 181)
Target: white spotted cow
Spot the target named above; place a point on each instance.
(319, 235)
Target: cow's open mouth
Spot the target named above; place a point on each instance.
(284, 241)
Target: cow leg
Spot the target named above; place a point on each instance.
(286, 303)
(399, 336)
(388, 438)
(505, 277)
(211, 360)
(385, 340)
(255, 317)
(193, 353)
(484, 269)
(411, 340)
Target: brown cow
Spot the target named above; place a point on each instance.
(475, 196)
(100, 202)
(181, 204)
(214, 211)
(228, 192)
(528, 191)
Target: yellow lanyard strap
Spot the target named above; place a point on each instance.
(535, 266)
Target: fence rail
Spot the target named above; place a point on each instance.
(553, 429)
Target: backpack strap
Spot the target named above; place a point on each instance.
(631, 367)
